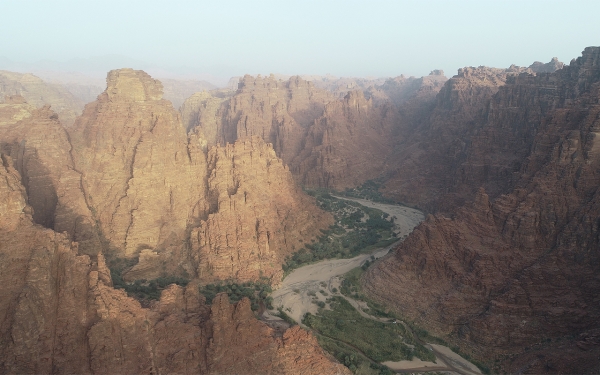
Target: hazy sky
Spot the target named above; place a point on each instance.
(343, 38)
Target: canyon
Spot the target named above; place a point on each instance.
(503, 161)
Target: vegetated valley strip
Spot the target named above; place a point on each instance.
(298, 290)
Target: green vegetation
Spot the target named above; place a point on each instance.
(369, 190)
(357, 230)
(351, 358)
(142, 290)
(378, 341)
(484, 369)
(257, 292)
(286, 317)
(351, 288)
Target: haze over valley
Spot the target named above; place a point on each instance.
(166, 209)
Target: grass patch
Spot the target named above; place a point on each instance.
(286, 317)
(357, 230)
(350, 358)
(257, 292)
(351, 287)
(377, 340)
(369, 190)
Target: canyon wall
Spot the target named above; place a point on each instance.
(60, 314)
(39, 93)
(128, 181)
(325, 140)
(514, 273)
(178, 204)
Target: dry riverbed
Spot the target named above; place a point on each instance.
(295, 293)
(306, 285)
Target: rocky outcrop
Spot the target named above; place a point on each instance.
(325, 141)
(156, 196)
(427, 161)
(39, 93)
(258, 215)
(279, 112)
(515, 272)
(202, 108)
(38, 147)
(139, 175)
(60, 314)
(178, 90)
(550, 67)
(349, 144)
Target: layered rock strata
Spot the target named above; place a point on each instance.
(60, 314)
(435, 160)
(258, 215)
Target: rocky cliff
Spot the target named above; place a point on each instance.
(428, 162)
(60, 314)
(39, 149)
(151, 187)
(348, 144)
(39, 93)
(258, 215)
(326, 141)
(178, 90)
(514, 274)
(58, 308)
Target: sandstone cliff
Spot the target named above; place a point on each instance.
(39, 149)
(60, 314)
(157, 198)
(39, 93)
(258, 215)
(515, 272)
(325, 141)
(139, 175)
(348, 144)
(178, 90)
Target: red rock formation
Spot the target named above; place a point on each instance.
(151, 187)
(143, 181)
(348, 145)
(39, 93)
(178, 90)
(40, 150)
(326, 142)
(516, 272)
(60, 314)
(258, 214)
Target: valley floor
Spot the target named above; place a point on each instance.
(304, 288)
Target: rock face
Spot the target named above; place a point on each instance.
(39, 149)
(138, 173)
(325, 141)
(515, 272)
(177, 91)
(151, 187)
(348, 144)
(433, 162)
(258, 215)
(39, 93)
(427, 161)
(551, 67)
(60, 314)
